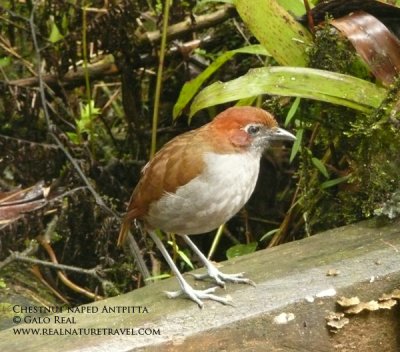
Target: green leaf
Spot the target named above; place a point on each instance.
(190, 88)
(302, 82)
(292, 111)
(320, 166)
(200, 3)
(246, 101)
(73, 137)
(158, 277)
(87, 113)
(334, 182)
(182, 254)
(277, 30)
(269, 234)
(241, 249)
(55, 34)
(297, 144)
(296, 7)
(5, 61)
(2, 283)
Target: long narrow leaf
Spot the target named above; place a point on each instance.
(302, 82)
(190, 88)
(292, 111)
(320, 166)
(297, 144)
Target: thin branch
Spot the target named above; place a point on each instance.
(188, 26)
(157, 96)
(32, 248)
(65, 280)
(22, 257)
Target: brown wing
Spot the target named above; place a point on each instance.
(178, 162)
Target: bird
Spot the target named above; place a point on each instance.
(197, 182)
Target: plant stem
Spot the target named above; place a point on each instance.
(86, 73)
(159, 79)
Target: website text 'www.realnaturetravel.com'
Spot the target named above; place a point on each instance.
(57, 324)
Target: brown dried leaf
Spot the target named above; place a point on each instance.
(374, 42)
(20, 196)
(12, 212)
(15, 203)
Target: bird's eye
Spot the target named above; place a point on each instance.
(253, 129)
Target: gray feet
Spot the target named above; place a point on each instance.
(198, 295)
(221, 278)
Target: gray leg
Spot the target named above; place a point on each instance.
(186, 289)
(213, 272)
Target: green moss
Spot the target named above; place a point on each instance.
(363, 147)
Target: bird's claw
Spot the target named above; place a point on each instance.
(198, 295)
(221, 278)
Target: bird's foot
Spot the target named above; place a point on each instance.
(198, 295)
(221, 278)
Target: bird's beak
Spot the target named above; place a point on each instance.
(279, 134)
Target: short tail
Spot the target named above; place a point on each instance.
(123, 232)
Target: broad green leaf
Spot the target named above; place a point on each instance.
(320, 166)
(275, 28)
(202, 2)
(190, 88)
(302, 82)
(297, 144)
(292, 111)
(241, 249)
(296, 7)
(246, 101)
(334, 182)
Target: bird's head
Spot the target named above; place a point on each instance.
(246, 128)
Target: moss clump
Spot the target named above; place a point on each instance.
(361, 150)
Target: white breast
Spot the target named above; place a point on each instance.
(210, 199)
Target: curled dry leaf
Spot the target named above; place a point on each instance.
(374, 42)
(17, 202)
